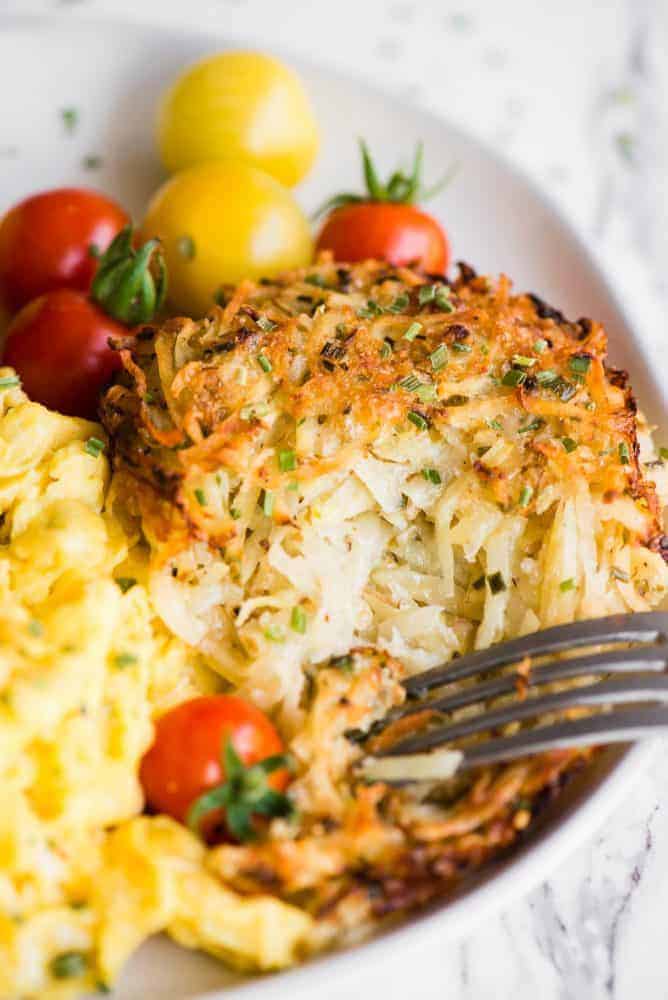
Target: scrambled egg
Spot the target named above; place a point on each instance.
(84, 666)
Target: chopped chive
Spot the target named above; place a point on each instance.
(496, 583)
(264, 362)
(186, 246)
(370, 310)
(70, 118)
(460, 348)
(316, 279)
(125, 583)
(569, 444)
(68, 964)
(399, 303)
(412, 331)
(495, 425)
(10, 382)
(200, 496)
(624, 453)
(426, 294)
(266, 324)
(386, 349)
(533, 425)
(267, 501)
(439, 358)
(525, 496)
(619, 574)
(567, 585)
(426, 393)
(522, 361)
(540, 345)
(94, 447)
(293, 485)
(432, 476)
(418, 420)
(442, 300)
(579, 363)
(410, 382)
(456, 400)
(274, 633)
(298, 620)
(663, 454)
(235, 513)
(287, 460)
(514, 377)
(122, 660)
(546, 377)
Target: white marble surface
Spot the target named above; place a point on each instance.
(577, 92)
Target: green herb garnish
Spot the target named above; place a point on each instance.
(526, 494)
(200, 496)
(432, 476)
(125, 583)
(287, 460)
(522, 361)
(569, 444)
(535, 424)
(567, 585)
(439, 358)
(316, 279)
(412, 331)
(70, 118)
(460, 348)
(274, 633)
(399, 304)
(298, 620)
(68, 964)
(264, 362)
(267, 501)
(386, 349)
(579, 363)
(370, 310)
(122, 660)
(540, 345)
(418, 420)
(266, 324)
(10, 382)
(546, 377)
(624, 453)
(514, 377)
(94, 447)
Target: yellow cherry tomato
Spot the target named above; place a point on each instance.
(222, 222)
(240, 106)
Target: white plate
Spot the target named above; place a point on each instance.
(112, 74)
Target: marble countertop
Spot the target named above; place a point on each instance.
(577, 93)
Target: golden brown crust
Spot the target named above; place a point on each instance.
(195, 397)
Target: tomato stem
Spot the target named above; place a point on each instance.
(401, 188)
(130, 284)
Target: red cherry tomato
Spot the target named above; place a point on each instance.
(45, 242)
(59, 346)
(400, 234)
(188, 755)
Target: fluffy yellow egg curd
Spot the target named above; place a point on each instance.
(84, 666)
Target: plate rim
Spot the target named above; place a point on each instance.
(564, 834)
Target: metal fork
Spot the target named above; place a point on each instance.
(642, 677)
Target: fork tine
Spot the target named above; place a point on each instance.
(618, 690)
(647, 627)
(615, 661)
(621, 726)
